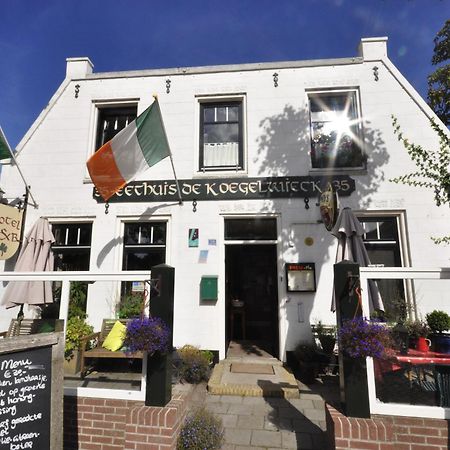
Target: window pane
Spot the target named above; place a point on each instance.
(221, 114)
(72, 259)
(209, 114)
(251, 229)
(111, 121)
(72, 234)
(388, 230)
(159, 233)
(335, 136)
(221, 133)
(143, 258)
(145, 233)
(131, 233)
(233, 113)
(371, 229)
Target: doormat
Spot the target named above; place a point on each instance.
(266, 369)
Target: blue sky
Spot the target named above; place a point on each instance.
(37, 36)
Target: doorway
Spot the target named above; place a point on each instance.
(252, 295)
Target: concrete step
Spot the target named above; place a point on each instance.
(279, 384)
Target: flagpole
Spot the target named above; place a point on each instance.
(20, 171)
(170, 151)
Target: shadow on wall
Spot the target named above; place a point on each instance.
(283, 149)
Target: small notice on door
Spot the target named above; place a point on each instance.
(193, 237)
(300, 277)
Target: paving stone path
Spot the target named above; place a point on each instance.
(268, 423)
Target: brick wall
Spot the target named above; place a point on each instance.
(107, 424)
(385, 432)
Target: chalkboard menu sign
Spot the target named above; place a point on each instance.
(25, 396)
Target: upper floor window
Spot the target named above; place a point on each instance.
(336, 137)
(221, 141)
(111, 120)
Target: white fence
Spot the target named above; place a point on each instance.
(66, 278)
(410, 274)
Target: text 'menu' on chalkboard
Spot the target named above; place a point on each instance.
(25, 399)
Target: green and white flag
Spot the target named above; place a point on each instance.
(5, 149)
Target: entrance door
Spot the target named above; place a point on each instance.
(252, 295)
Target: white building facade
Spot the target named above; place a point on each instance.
(253, 147)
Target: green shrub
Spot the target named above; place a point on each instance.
(201, 430)
(438, 321)
(416, 328)
(193, 364)
(76, 329)
(130, 306)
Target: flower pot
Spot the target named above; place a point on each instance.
(423, 344)
(441, 342)
(308, 371)
(327, 343)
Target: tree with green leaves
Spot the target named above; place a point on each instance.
(432, 168)
(439, 80)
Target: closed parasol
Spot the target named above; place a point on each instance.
(349, 232)
(35, 256)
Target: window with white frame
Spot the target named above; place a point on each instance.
(336, 132)
(144, 246)
(72, 246)
(72, 251)
(221, 136)
(382, 242)
(111, 120)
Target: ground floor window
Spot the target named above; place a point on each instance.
(72, 252)
(144, 246)
(382, 242)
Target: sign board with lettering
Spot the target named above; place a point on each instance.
(230, 189)
(300, 277)
(30, 398)
(25, 382)
(10, 227)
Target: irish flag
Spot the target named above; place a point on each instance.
(5, 149)
(134, 149)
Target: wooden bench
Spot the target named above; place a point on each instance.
(100, 352)
(32, 326)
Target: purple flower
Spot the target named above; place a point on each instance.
(359, 338)
(147, 334)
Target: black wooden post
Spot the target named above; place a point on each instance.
(159, 367)
(352, 372)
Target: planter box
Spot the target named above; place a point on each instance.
(72, 366)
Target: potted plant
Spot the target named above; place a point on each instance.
(418, 332)
(439, 322)
(307, 361)
(76, 329)
(327, 336)
(147, 334)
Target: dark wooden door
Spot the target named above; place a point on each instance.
(251, 278)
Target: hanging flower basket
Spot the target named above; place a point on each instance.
(359, 338)
(147, 334)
